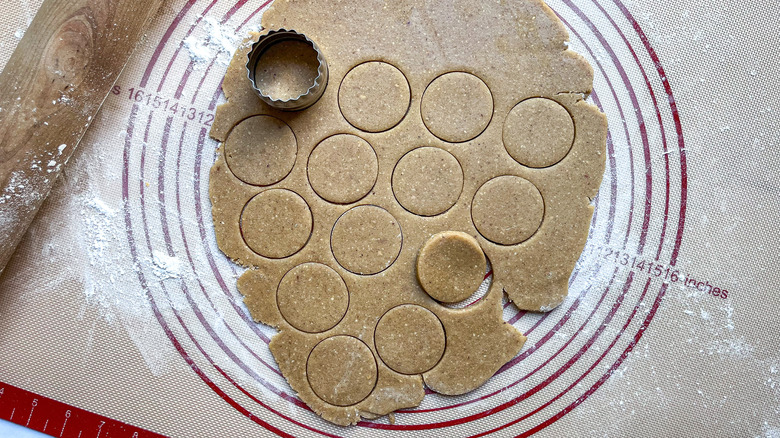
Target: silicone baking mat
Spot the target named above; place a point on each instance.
(119, 316)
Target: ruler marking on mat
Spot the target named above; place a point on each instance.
(37, 411)
(32, 409)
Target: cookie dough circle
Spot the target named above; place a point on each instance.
(374, 96)
(457, 107)
(312, 297)
(341, 370)
(261, 150)
(343, 168)
(508, 210)
(410, 339)
(427, 181)
(366, 240)
(538, 132)
(276, 223)
(451, 266)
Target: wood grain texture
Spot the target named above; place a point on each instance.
(50, 90)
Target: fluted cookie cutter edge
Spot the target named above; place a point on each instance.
(304, 100)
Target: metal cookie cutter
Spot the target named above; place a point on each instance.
(304, 100)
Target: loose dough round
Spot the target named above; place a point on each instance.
(341, 370)
(451, 266)
(428, 181)
(374, 96)
(287, 69)
(312, 297)
(261, 150)
(410, 339)
(276, 223)
(538, 132)
(457, 107)
(343, 168)
(366, 240)
(508, 210)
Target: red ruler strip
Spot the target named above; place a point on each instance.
(60, 419)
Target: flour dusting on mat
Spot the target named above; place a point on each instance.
(98, 220)
(165, 266)
(737, 348)
(103, 262)
(771, 431)
(111, 282)
(212, 40)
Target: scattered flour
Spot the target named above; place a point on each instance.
(212, 40)
(110, 281)
(102, 261)
(737, 348)
(199, 50)
(771, 431)
(97, 218)
(164, 266)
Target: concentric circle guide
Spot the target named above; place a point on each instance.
(571, 351)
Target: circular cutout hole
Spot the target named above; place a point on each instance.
(276, 223)
(410, 339)
(343, 168)
(374, 96)
(341, 370)
(261, 150)
(457, 107)
(366, 240)
(538, 132)
(312, 297)
(427, 181)
(508, 210)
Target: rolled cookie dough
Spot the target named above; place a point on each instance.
(458, 129)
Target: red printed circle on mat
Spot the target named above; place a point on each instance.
(192, 346)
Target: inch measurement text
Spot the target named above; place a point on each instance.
(668, 274)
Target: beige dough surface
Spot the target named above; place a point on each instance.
(458, 121)
(343, 168)
(451, 266)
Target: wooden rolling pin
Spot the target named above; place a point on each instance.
(50, 90)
